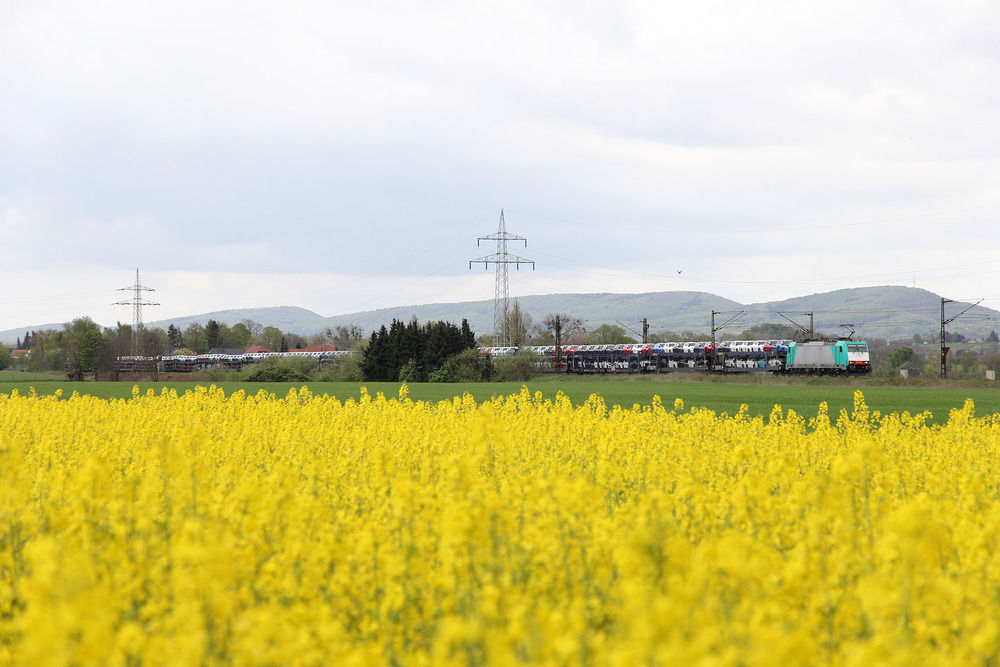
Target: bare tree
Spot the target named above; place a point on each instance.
(255, 329)
(563, 327)
(518, 324)
(118, 344)
(152, 342)
(344, 337)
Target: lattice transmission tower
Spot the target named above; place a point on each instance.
(502, 259)
(137, 302)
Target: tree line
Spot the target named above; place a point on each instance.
(200, 339)
(83, 346)
(434, 351)
(412, 352)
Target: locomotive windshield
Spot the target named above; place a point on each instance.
(857, 350)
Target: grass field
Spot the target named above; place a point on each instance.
(760, 396)
(20, 377)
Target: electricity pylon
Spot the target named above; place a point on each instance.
(502, 259)
(137, 302)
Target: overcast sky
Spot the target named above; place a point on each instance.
(345, 157)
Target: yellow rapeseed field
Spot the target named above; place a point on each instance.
(302, 530)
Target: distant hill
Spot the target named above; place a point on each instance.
(676, 311)
(290, 319)
(886, 312)
(874, 312)
(11, 336)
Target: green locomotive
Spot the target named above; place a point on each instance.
(828, 356)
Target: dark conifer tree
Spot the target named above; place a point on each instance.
(468, 337)
(427, 346)
(212, 331)
(372, 359)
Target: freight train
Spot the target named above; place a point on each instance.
(817, 357)
(741, 356)
(176, 363)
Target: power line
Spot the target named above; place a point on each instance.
(736, 314)
(696, 229)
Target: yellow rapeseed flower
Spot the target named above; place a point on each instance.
(196, 528)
